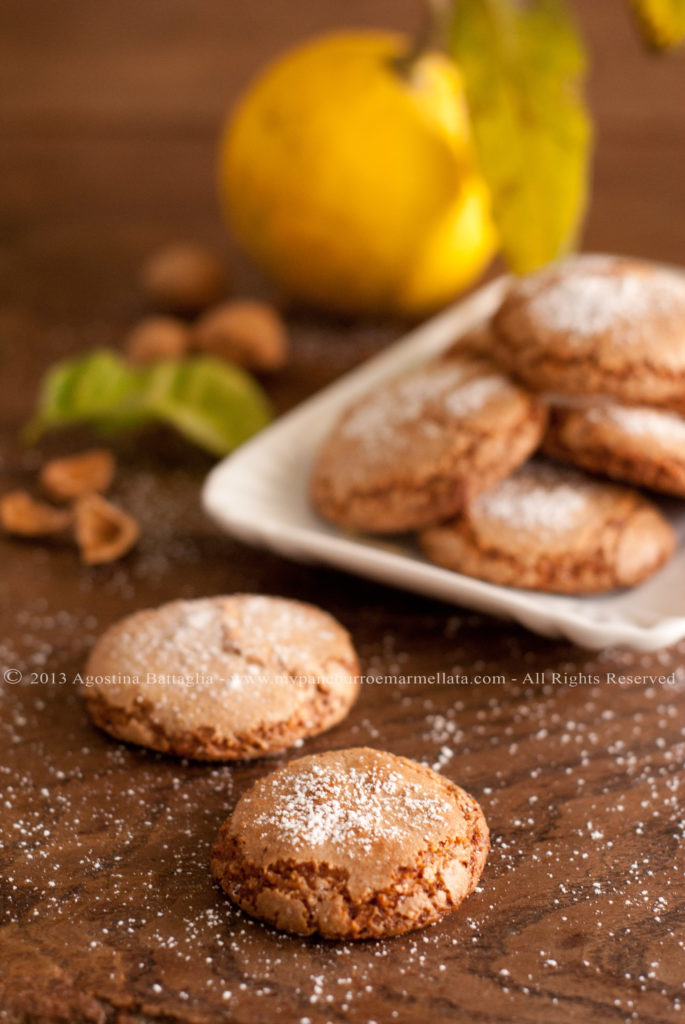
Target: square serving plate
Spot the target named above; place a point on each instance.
(260, 495)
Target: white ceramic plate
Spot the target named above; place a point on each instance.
(260, 496)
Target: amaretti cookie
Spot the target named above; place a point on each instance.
(552, 528)
(351, 844)
(221, 678)
(417, 449)
(598, 325)
(637, 444)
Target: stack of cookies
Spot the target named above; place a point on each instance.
(585, 362)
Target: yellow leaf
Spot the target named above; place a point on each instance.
(523, 68)
(662, 22)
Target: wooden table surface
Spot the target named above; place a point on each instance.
(108, 115)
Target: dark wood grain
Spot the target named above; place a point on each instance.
(108, 115)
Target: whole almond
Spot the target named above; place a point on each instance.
(249, 333)
(155, 338)
(183, 278)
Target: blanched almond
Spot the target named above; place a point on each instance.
(22, 515)
(103, 531)
(75, 475)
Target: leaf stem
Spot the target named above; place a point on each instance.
(431, 35)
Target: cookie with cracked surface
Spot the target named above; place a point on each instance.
(351, 844)
(554, 529)
(416, 450)
(633, 443)
(222, 678)
(598, 325)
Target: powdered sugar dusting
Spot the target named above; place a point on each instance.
(189, 634)
(107, 850)
(586, 299)
(350, 807)
(537, 498)
(473, 396)
(194, 632)
(662, 426)
(215, 647)
(454, 388)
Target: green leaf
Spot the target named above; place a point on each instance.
(523, 67)
(662, 22)
(98, 388)
(212, 403)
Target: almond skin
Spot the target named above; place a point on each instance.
(104, 532)
(75, 475)
(22, 515)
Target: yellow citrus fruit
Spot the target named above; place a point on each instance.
(353, 184)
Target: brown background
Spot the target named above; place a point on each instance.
(108, 116)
